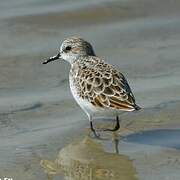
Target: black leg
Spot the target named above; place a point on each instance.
(93, 130)
(116, 127)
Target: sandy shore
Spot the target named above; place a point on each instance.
(38, 116)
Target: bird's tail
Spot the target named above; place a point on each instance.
(137, 108)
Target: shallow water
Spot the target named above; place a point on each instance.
(38, 116)
(87, 159)
(167, 138)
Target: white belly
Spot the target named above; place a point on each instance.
(84, 104)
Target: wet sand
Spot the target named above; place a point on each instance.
(38, 116)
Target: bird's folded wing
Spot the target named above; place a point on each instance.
(116, 96)
(107, 88)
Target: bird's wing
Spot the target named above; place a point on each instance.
(105, 87)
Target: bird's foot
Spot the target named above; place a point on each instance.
(116, 127)
(96, 135)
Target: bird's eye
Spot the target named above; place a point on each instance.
(68, 48)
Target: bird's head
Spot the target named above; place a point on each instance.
(71, 49)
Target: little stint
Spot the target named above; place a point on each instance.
(98, 87)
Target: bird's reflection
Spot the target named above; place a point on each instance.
(87, 160)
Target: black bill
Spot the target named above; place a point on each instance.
(53, 58)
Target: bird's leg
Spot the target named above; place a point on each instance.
(92, 128)
(116, 127)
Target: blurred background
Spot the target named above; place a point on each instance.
(39, 117)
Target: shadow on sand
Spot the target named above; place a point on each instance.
(160, 137)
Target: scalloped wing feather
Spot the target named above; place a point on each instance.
(105, 87)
